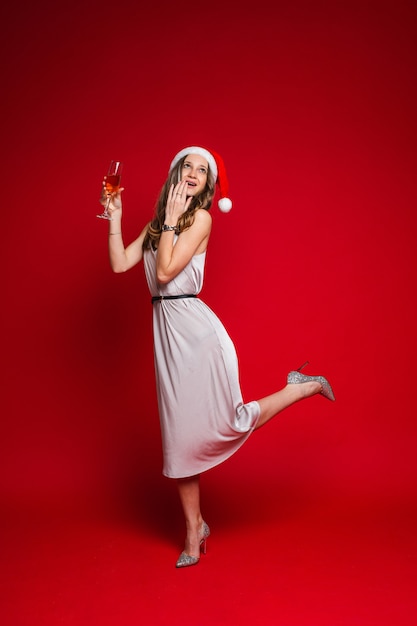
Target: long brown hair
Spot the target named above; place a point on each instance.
(202, 201)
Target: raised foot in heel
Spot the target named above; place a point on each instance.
(295, 378)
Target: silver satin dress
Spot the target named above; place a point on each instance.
(202, 414)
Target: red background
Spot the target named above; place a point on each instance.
(312, 106)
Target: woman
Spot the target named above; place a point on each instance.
(202, 414)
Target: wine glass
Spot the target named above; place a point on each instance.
(112, 184)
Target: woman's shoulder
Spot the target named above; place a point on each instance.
(202, 216)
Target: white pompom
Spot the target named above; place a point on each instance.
(225, 204)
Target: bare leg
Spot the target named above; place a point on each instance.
(189, 492)
(277, 402)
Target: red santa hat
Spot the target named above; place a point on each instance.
(217, 168)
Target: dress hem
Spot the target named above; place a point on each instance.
(222, 460)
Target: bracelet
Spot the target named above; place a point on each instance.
(115, 233)
(165, 228)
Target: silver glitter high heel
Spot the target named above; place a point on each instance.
(295, 378)
(185, 560)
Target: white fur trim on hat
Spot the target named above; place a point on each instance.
(196, 150)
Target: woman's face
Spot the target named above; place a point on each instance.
(195, 172)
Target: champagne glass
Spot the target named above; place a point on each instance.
(112, 184)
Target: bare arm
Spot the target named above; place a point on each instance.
(171, 259)
(121, 258)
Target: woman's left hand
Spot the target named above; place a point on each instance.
(177, 203)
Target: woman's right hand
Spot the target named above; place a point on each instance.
(115, 204)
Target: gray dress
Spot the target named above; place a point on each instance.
(202, 414)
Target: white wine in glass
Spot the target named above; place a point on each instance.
(111, 184)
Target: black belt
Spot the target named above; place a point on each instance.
(183, 295)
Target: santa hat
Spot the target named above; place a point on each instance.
(217, 168)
